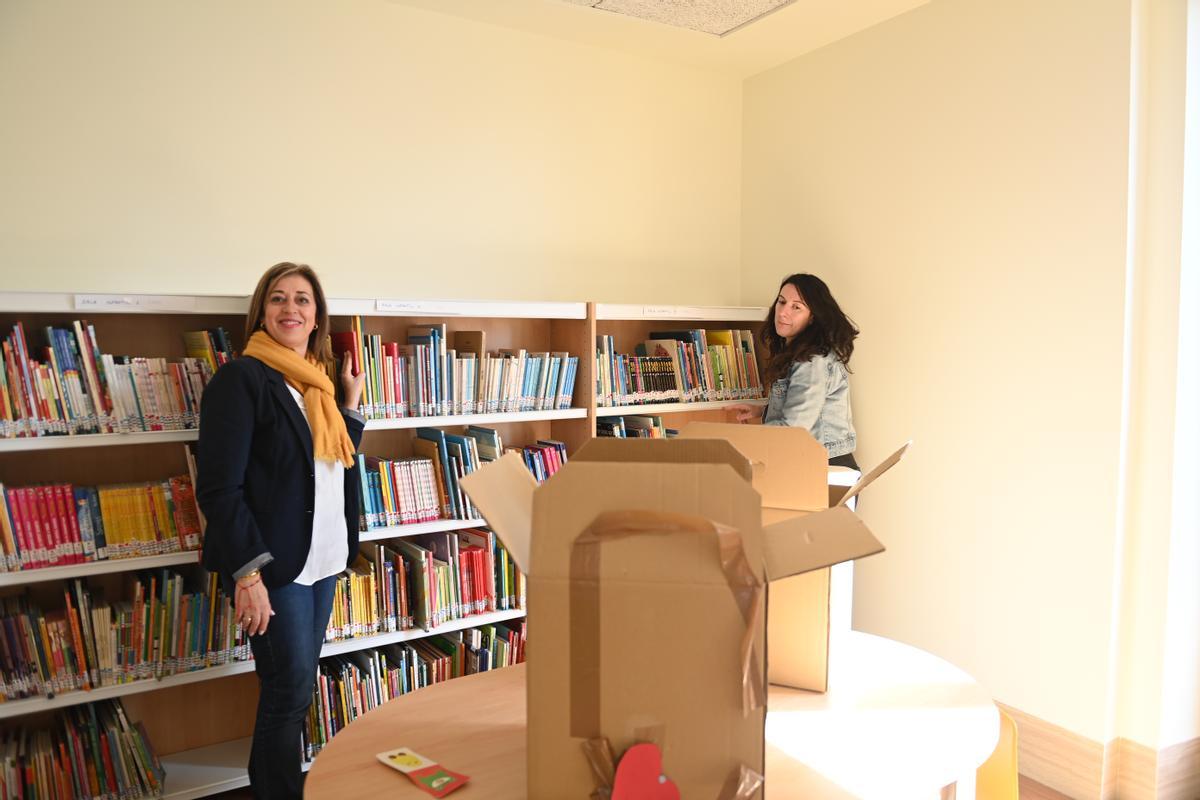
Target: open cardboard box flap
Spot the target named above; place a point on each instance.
(782, 459)
(666, 451)
(821, 539)
(503, 493)
(786, 461)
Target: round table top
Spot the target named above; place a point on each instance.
(896, 722)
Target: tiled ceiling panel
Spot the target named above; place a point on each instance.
(717, 17)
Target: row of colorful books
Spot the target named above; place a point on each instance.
(544, 458)
(426, 486)
(161, 627)
(77, 389)
(352, 684)
(425, 377)
(633, 426)
(423, 582)
(678, 367)
(86, 751)
(60, 524)
(403, 491)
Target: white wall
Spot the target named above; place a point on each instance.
(959, 174)
(1180, 696)
(176, 146)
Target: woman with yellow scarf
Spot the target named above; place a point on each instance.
(281, 500)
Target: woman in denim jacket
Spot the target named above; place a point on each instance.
(807, 341)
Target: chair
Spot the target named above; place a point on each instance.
(996, 778)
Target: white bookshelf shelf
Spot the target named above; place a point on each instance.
(385, 307)
(668, 313)
(160, 437)
(380, 639)
(22, 577)
(417, 528)
(86, 304)
(95, 440)
(31, 705)
(210, 770)
(475, 419)
(652, 409)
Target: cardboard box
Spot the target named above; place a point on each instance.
(649, 567)
(791, 472)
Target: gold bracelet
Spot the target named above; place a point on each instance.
(251, 574)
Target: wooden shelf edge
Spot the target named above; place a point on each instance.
(475, 419)
(23, 577)
(651, 409)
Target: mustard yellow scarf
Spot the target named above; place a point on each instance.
(331, 442)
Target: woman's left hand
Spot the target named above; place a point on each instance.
(352, 385)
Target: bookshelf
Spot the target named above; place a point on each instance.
(631, 324)
(208, 754)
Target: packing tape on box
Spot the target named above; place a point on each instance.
(746, 585)
(742, 784)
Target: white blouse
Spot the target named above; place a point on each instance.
(328, 552)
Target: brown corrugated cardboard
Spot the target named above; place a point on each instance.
(791, 473)
(636, 629)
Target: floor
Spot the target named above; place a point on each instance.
(1032, 790)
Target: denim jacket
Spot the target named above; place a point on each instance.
(815, 396)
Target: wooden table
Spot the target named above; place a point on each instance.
(896, 722)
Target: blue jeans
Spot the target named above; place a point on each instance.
(285, 658)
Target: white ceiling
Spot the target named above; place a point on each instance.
(771, 40)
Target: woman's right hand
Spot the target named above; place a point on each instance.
(253, 606)
(745, 412)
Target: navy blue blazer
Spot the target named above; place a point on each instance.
(255, 479)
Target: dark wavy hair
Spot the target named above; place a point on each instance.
(830, 330)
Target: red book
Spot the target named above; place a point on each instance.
(344, 342)
(64, 503)
(51, 531)
(32, 531)
(110, 776)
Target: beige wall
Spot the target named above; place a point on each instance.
(183, 147)
(959, 174)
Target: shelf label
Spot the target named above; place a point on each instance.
(135, 302)
(660, 311)
(412, 307)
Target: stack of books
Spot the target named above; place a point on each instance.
(60, 524)
(352, 684)
(76, 389)
(633, 426)
(161, 628)
(678, 367)
(90, 750)
(423, 582)
(428, 377)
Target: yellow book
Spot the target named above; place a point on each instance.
(12, 557)
(111, 535)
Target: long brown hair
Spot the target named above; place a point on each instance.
(828, 331)
(318, 341)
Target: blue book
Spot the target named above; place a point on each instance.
(548, 398)
(438, 437)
